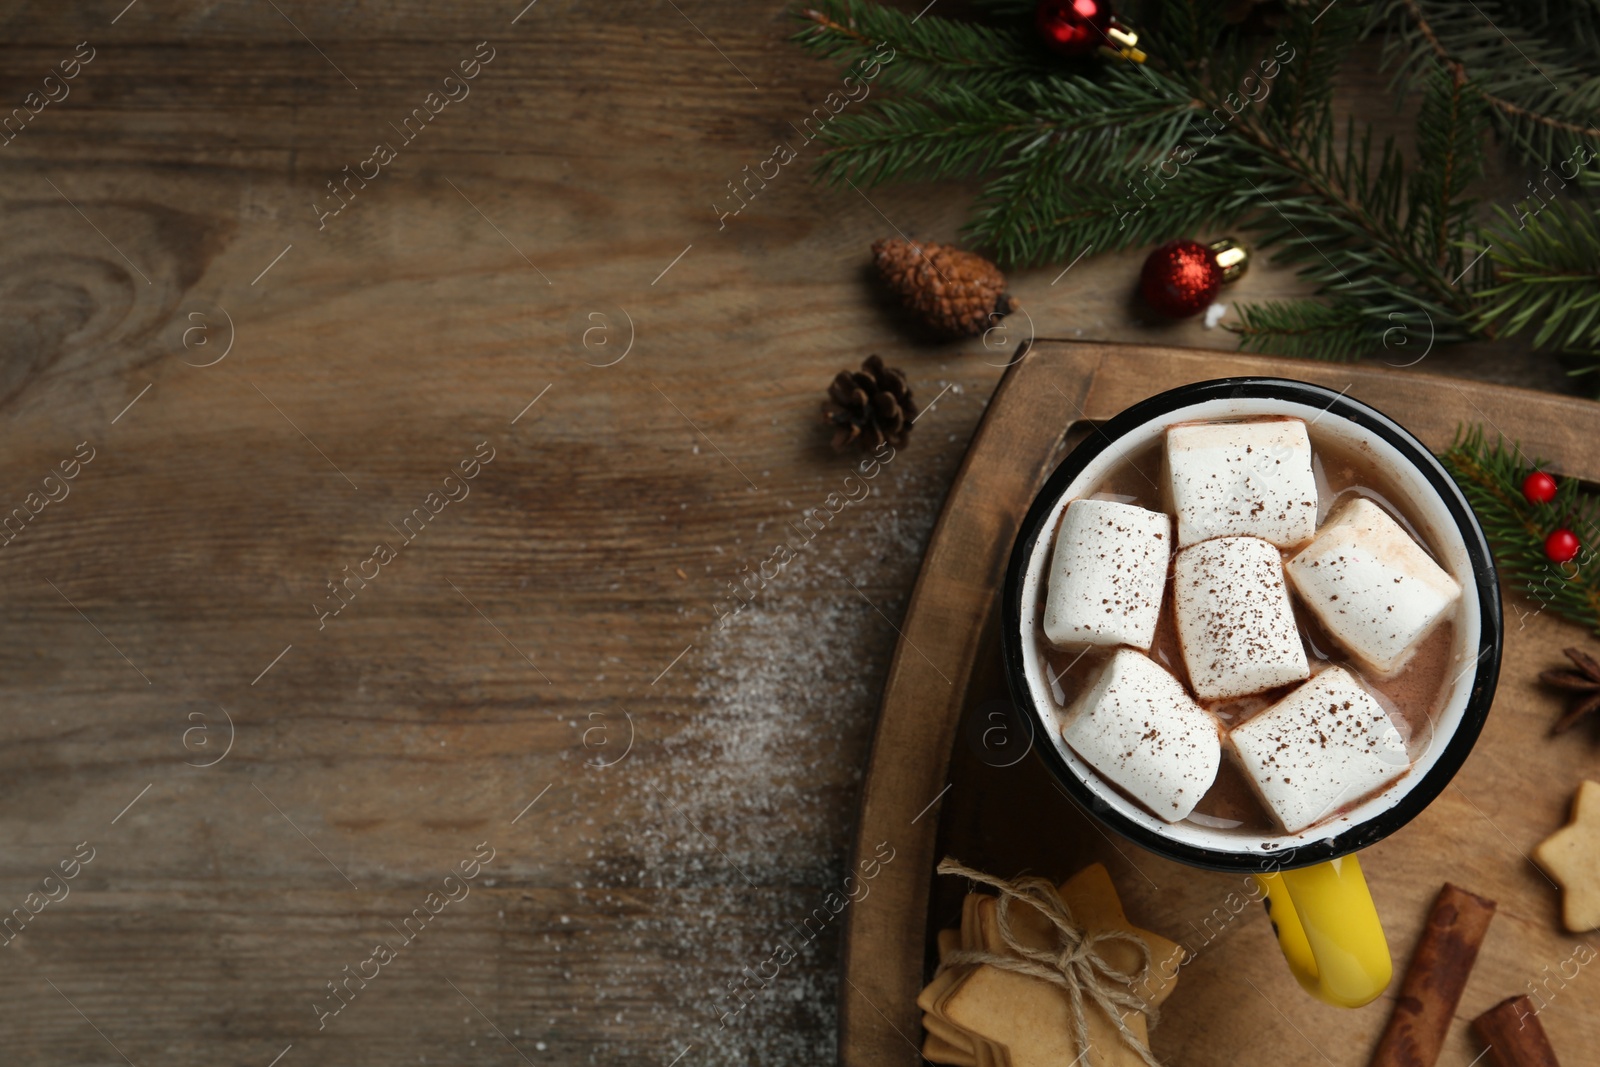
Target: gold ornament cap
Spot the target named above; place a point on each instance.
(1232, 257)
(1124, 43)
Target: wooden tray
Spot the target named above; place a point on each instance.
(927, 794)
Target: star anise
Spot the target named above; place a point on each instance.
(1585, 681)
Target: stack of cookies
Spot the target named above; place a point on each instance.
(982, 1015)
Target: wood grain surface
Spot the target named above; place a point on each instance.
(1235, 1001)
(268, 392)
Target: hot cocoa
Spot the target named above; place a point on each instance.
(1302, 597)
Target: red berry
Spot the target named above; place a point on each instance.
(1539, 488)
(1561, 546)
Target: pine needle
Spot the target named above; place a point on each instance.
(1546, 275)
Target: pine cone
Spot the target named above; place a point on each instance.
(951, 291)
(869, 406)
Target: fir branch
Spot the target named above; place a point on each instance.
(926, 50)
(1094, 157)
(1343, 226)
(1490, 476)
(1342, 330)
(1182, 34)
(1543, 104)
(1030, 215)
(946, 132)
(1303, 88)
(1450, 131)
(1074, 125)
(1547, 273)
(1357, 225)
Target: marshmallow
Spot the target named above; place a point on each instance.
(1371, 586)
(1243, 479)
(1137, 726)
(1107, 575)
(1235, 623)
(1319, 749)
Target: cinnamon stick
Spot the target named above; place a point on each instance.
(1433, 982)
(1515, 1035)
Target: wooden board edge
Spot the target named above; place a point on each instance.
(1557, 423)
(889, 921)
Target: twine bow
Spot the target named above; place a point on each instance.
(1074, 964)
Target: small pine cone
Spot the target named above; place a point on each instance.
(869, 406)
(953, 292)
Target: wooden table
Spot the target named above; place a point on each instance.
(269, 390)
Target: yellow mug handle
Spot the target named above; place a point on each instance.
(1329, 931)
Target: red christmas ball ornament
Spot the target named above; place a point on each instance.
(1561, 546)
(1539, 488)
(1181, 278)
(1073, 27)
(1077, 28)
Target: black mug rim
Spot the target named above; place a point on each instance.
(1485, 578)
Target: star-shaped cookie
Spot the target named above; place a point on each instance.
(1571, 856)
